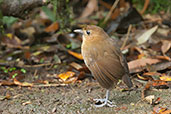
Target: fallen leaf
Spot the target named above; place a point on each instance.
(159, 66)
(153, 83)
(6, 83)
(53, 27)
(90, 8)
(150, 99)
(163, 31)
(157, 83)
(146, 35)
(26, 103)
(66, 75)
(29, 31)
(160, 110)
(143, 77)
(76, 66)
(151, 73)
(163, 58)
(166, 45)
(77, 55)
(165, 78)
(139, 64)
(140, 56)
(13, 41)
(71, 80)
(81, 75)
(25, 84)
(166, 112)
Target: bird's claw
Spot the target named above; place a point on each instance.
(103, 102)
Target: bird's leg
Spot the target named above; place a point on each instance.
(104, 101)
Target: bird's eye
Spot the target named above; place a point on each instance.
(88, 32)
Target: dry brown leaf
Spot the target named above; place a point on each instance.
(90, 8)
(140, 56)
(76, 66)
(156, 83)
(161, 110)
(6, 83)
(166, 45)
(13, 41)
(153, 83)
(29, 31)
(151, 73)
(163, 31)
(24, 84)
(81, 75)
(77, 55)
(53, 27)
(163, 58)
(138, 64)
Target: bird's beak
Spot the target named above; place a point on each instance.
(79, 31)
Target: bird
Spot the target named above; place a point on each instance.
(104, 59)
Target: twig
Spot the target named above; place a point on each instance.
(35, 73)
(127, 36)
(145, 6)
(49, 85)
(110, 12)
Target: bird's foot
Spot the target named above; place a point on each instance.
(103, 102)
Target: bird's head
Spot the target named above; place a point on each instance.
(91, 33)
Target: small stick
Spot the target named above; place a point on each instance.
(127, 36)
(49, 85)
(110, 12)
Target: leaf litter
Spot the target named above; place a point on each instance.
(39, 44)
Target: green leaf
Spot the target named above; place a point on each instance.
(9, 20)
(12, 69)
(51, 15)
(14, 75)
(23, 70)
(68, 46)
(41, 60)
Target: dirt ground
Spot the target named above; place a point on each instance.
(76, 98)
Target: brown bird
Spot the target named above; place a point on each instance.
(104, 59)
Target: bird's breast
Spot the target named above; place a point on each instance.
(93, 51)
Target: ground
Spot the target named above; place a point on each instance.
(77, 98)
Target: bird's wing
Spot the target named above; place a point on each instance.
(118, 52)
(107, 70)
(126, 77)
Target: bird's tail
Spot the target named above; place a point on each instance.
(126, 79)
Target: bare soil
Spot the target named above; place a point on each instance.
(76, 98)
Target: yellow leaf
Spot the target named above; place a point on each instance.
(165, 78)
(9, 35)
(66, 75)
